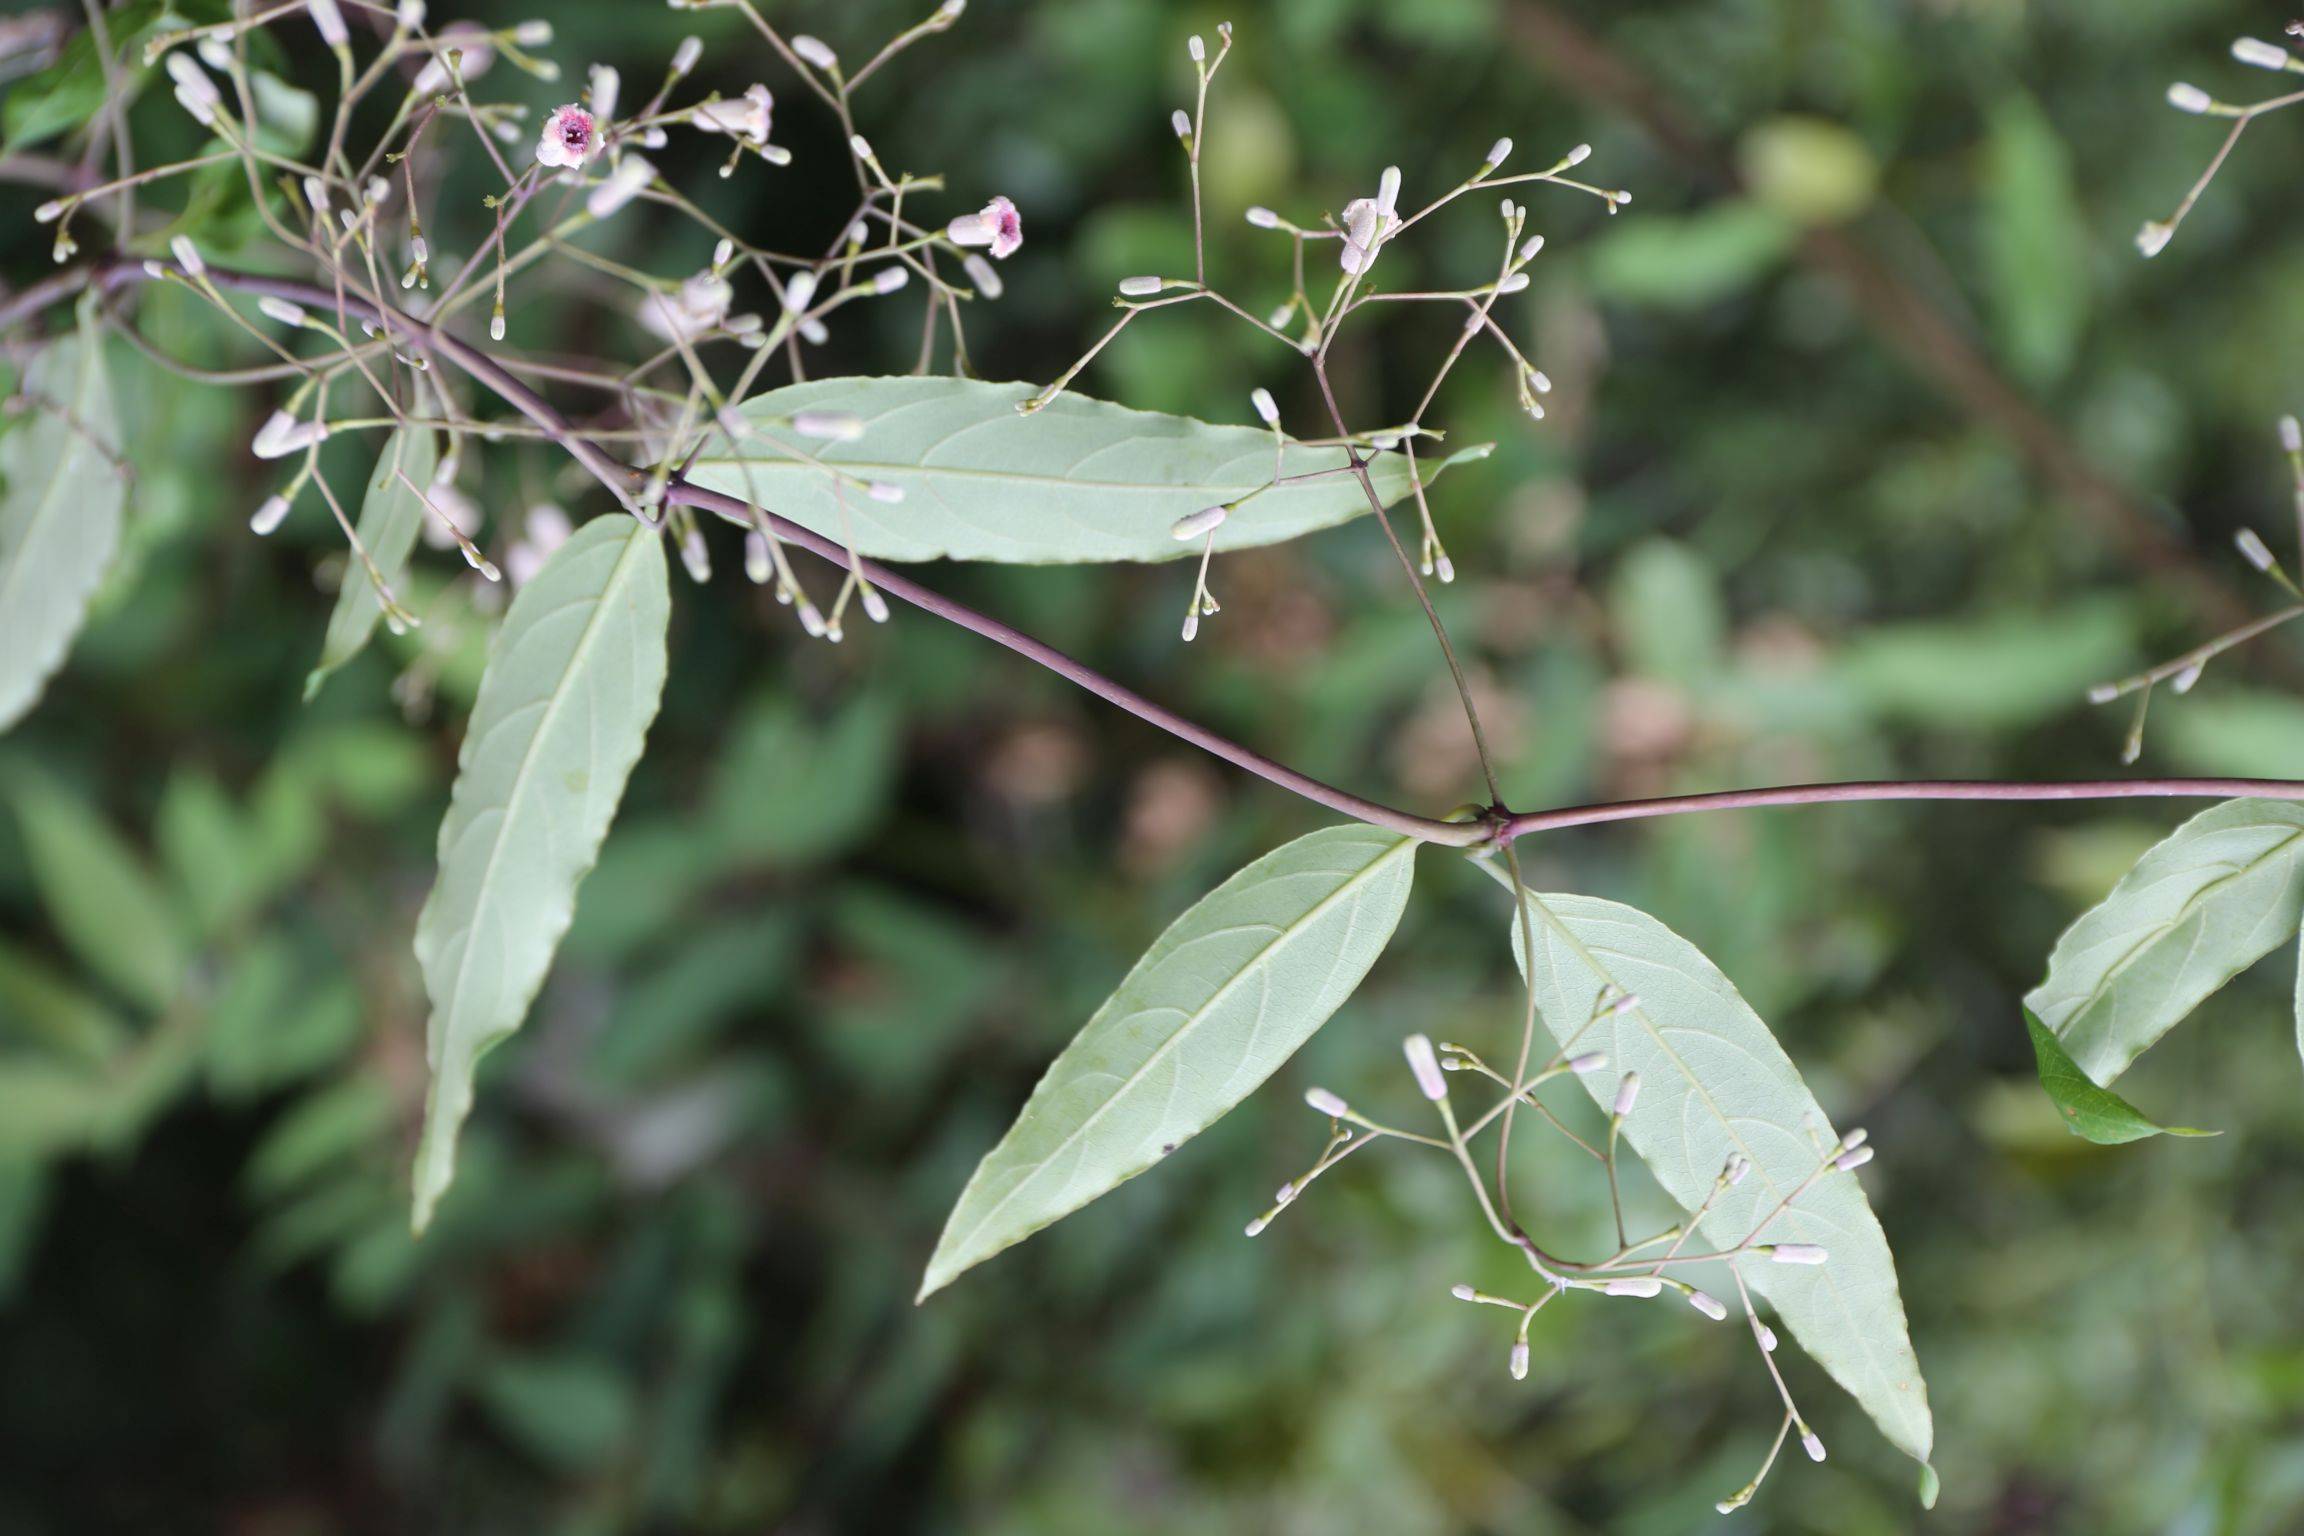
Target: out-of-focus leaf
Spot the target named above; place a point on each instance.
(325, 1127)
(61, 496)
(204, 850)
(391, 514)
(1689, 260)
(1808, 169)
(2210, 900)
(70, 91)
(100, 896)
(1215, 1006)
(1080, 480)
(23, 1201)
(791, 791)
(566, 1409)
(272, 1021)
(2246, 735)
(573, 681)
(1993, 671)
(1665, 609)
(1714, 1082)
(2091, 1113)
(2035, 241)
(39, 1008)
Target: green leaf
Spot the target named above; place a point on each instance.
(2036, 241)
(1080, 480)
(1693, 260)
(1215, 1006)
(573, 681)
(2091, 1113)
(59, 512)
(791, 792)
(1714, 1081)
(391, 515)
(69, 92)
(1994, 670)
(102, 899)
(2203, 905)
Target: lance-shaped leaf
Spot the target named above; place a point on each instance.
(2202, 906)
(1079, 480)
(1714, 1082)
(61, 495)
(2092, 1113)
(1215, 1006)
(391, 515)
(573, 679)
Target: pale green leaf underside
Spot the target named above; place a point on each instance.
(60, 504)
(1080, 480)
(1225, 996)
(2206, 903)
(573, 679)
(1714, 1081)
(391, 515)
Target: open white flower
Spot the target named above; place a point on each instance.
(744, 117)
(700, 305)
(570, 136)
(997, 225)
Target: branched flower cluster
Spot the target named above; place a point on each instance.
(357, 217)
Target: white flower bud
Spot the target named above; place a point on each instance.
(533, 34)
(1498, 153)
(48, 212)
(2262, 55)
(695, 555)
(188, 256)
(1181, 121)
(1196, 48)
(830, 426)
(2291, 435)
(1710, 1306)
(1767, 1338)
(1513, 283)
(981, 276)
(2252, 548)
(1855, 1157)
(626, 182)
(1192, 525)
(685, 57)
(1139, 287)
(1430, 1081)
(876, 608)
(2103, 693)
(1588, 1062)
(885, 492)
(2189, 98)
(815, 50)
(1813, 1446)
(2153, 238)
(1388, 191)
(1263, 218)
(1635, 1285)
(1520, 1360)
(329, 18)
(409, 13)
(1327, 1103)
(2183, 681)
(1266, 407)
(757, 566)
(1798, 1253)
(1580, 154)
(1627, 1094)
(281, 310)
(1855, 1139)
(860, 147)
(800, 291)
(1256, 1228)
(268, 515)
(889, 279)
(1463, 1292)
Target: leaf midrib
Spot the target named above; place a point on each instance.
(1191, 1022)
(522, 775)
(2103, 987)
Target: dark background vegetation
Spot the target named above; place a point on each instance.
(1875, 444)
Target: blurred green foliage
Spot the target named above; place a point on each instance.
(859, 896)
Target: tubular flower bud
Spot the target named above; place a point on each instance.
(268, 515)
(1627, 1094)
(1710, 1306)
(1498, 153)
(888, 279)
(1520, 1360)
(685, 57)
(281, 310)
(1327, 1103)
(830, 426)
(1635, 1285)
(1854, 1158)
(2263, 55)
(188, 256)
(1798, 1253)
(1265, 406)
(1263, 218)
(816, 51)
(2291, 435)
(1430, 1081)
(2251, 546)
(982, 276)
(1192, 525)
(1813, 1446)
(626, 182)
(329, 18)
(1139, 287)
(1588, 1062)
(2153, 238)
(1463, 1292)
(2189, 98)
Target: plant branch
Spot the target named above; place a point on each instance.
(1519, 824)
